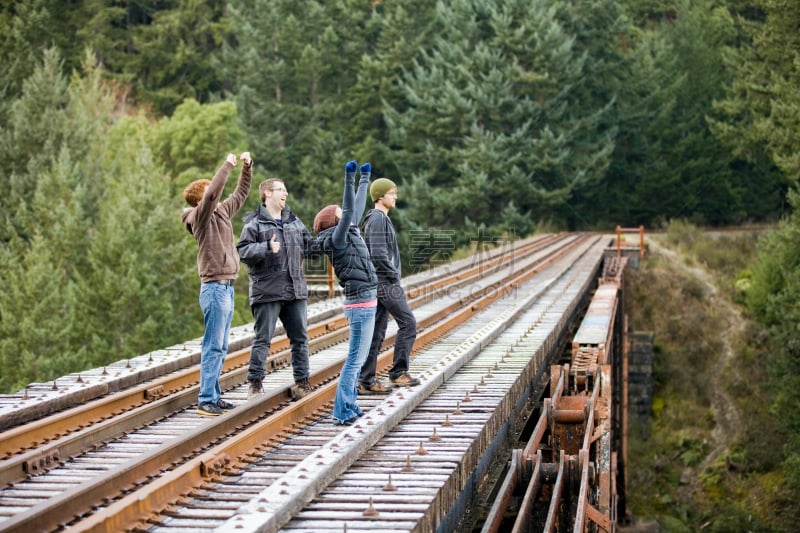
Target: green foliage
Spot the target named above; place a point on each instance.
(139, 257)
(36, 315)
(496, 117)
(309, 80)
(194, 141)
(21, 38)
(46, 228)
(491, 114)
(762, 105)
(726, 253)
(35, 120)
(99, 266)
(774, 299)
(664, 297)
(164, 51)
(773, 296)
(668, 164)
(177, 54)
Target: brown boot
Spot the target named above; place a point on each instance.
(256, 389)
(375, 387)
(404, 380)
(300, 389)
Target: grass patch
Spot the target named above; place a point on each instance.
(672, 295)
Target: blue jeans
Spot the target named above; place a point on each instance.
(294, 317)
(216, 301)
(362, 321)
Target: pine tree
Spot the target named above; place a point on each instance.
(36, 315)
(761, 115)
(194, 141)
(176, 55)
(47, 227)
(309, 78)
(21, 41)
(142, 280)
(30, 141)
(684, 167)
(100, 265)
(492, 114)
(762, 106)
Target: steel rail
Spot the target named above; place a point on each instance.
(532, 492)
(96, 424)
(152, 498)
(23, 407)
(580, 426)
(494, 519)
(17, 440)
(446, 369)
(127, 475)
(551, 521)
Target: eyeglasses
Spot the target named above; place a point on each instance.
(279, 189)
(391, 194)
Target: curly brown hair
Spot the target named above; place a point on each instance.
(193, 192)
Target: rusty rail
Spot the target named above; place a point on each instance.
(580, 434)
(22, 440)
(132, 474)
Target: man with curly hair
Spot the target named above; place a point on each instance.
(209, 221)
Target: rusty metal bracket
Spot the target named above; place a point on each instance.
(154, 393)
(215, 465)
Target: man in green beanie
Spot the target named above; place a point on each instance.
(384, 252)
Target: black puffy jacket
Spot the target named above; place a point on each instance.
(352, 265)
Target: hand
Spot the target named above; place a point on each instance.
(365, 170)
(274, 244)
(231, 159)
(350, 167)
(246, 159)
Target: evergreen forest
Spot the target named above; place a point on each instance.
(497, 118)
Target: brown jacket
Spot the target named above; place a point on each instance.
(210, 223)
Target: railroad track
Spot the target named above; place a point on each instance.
(139, 467)
(39, 400)
(570, 475)
(144, 380)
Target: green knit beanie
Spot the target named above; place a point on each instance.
(379, 187)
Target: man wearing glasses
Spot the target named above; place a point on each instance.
(273, 243)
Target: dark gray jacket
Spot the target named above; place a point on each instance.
(381, 241)
(275, 277)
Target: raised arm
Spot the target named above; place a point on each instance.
(236, 200)
(213, 192)
(348, 199)
(361, 194)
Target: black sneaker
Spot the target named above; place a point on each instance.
(300, 389)
(348, 422)
(209, 409)
(225, 406)
(405, 380)
(375, 387)
(256, 389)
